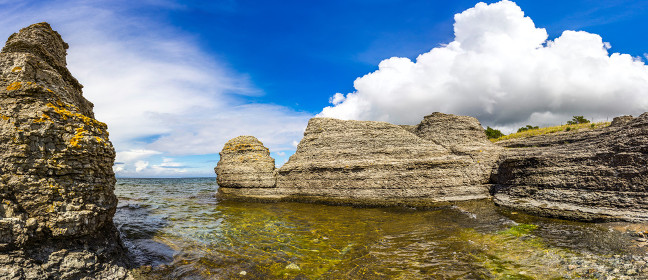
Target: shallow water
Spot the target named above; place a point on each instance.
(182, 231)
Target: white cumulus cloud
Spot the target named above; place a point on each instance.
(505, 71)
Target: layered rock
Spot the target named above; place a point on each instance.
(369, 162)
(56, 178)
(591, 175)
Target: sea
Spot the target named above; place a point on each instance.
(179, 229)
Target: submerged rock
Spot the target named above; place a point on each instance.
(590, 175)
(375, 163)
(56, 177)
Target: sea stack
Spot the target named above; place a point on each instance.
(56, 180)
(245, 163)
(372, 163)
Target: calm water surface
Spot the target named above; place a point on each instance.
(180, 229)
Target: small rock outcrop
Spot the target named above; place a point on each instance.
(372, 163)
(591, 175)
(245, 163)
(56, 177)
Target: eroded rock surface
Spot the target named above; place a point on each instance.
(591, 175)
(56, 178)
(367, 162)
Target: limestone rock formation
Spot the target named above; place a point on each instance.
(591, 175)
(56, 178)
(245, 162)
(367, 162)
(597, 174)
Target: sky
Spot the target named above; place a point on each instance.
(174, 80)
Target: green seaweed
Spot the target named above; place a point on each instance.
(520, 230)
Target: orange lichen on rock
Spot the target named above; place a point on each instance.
(64, 113)
(43, 118)
(74, 142)
(14, 86)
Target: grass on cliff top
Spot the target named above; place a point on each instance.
(553, 129)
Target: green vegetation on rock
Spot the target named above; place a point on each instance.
(527, 127)
(578, 120)
(552, 129)
(493, 133)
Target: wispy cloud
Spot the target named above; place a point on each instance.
(159, 93)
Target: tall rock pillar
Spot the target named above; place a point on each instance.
(56, 180)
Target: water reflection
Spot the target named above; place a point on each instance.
(181, 223)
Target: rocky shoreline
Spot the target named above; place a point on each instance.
(594, 175)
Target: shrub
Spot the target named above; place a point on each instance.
(578, 120)
(493, 133)
(527, 127)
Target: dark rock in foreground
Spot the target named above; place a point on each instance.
(56, 178)
(370, 163)
(591, 175)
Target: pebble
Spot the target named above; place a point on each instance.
(293, 266)
(243, 273)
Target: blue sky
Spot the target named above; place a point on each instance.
(174, 80)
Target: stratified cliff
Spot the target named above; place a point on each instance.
(373, 163)
(56, 178)
(591, 175)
